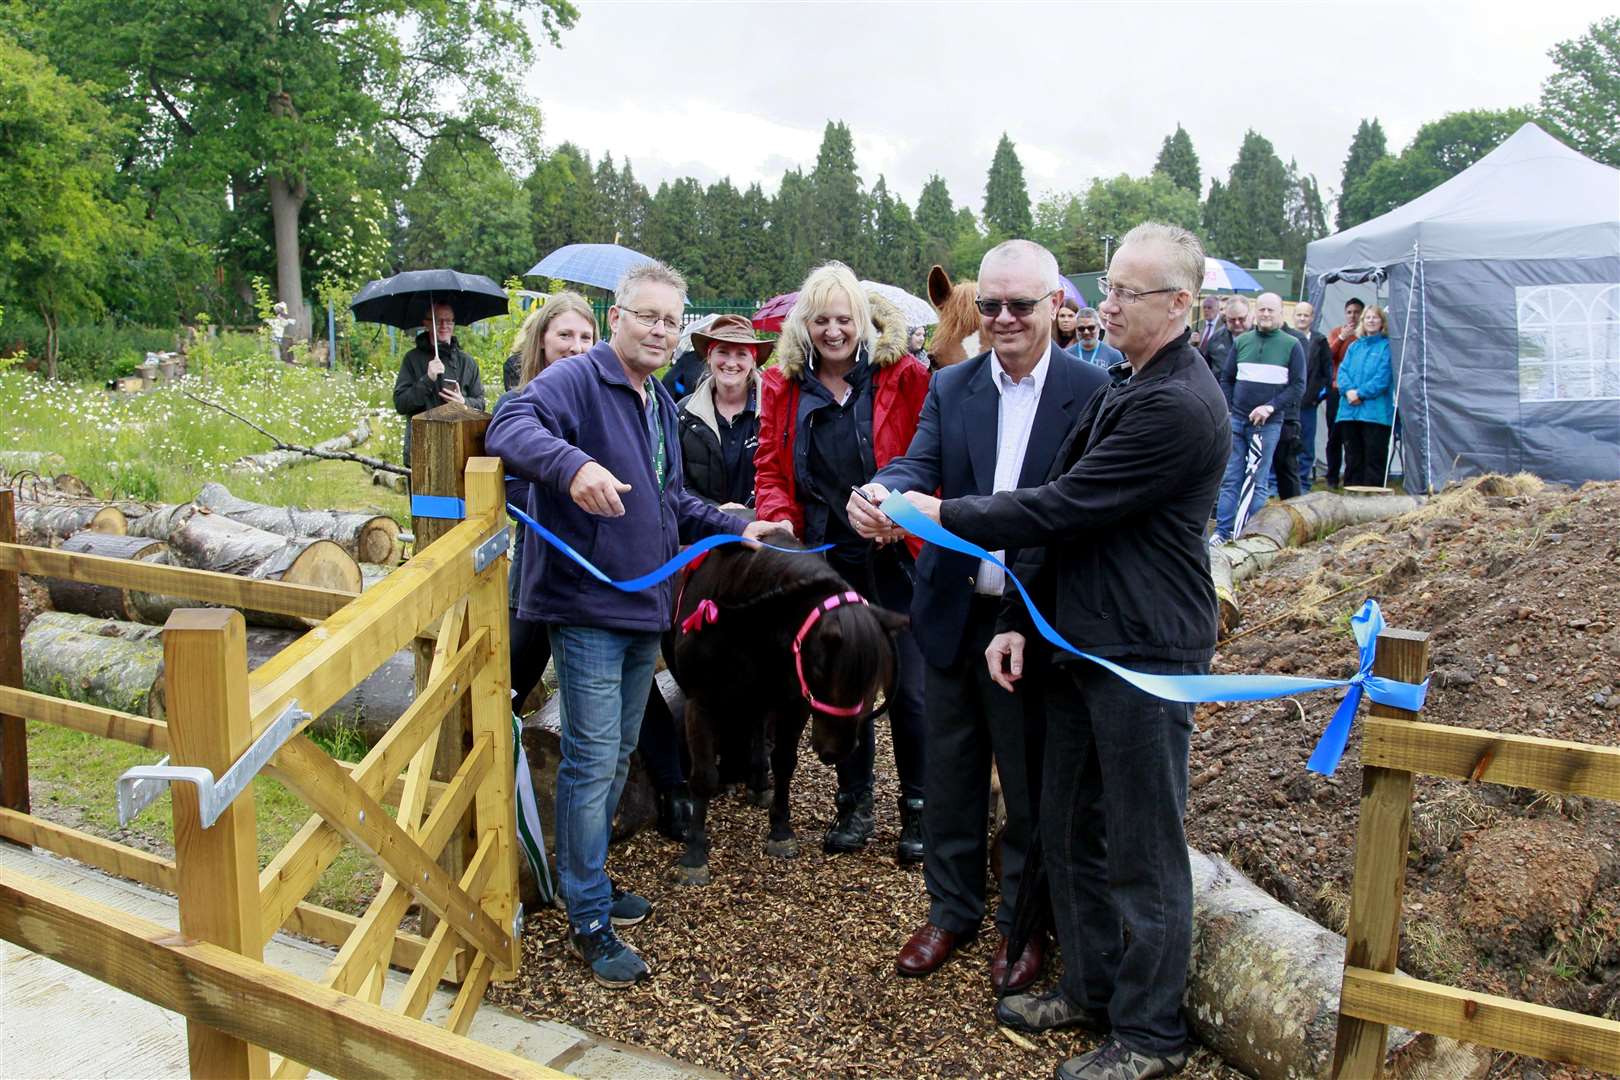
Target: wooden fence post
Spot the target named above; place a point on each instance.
(492, 710)
(1373, 938)
(443, 439)
(13, 729)
(205, 655)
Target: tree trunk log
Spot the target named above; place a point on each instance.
(1263, 989)
(101, 601)
(1291, 523)
(370, 538)
(116, 665)
(161, 520)
(275, 459)
(45, 524)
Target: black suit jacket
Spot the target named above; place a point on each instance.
(954, 452)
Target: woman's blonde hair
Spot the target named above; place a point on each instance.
(1383, 319)
(816, 293)
(531, 339)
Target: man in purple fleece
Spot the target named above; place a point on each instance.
(598, 440)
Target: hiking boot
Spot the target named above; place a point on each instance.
(675, 813)
(1036, 1013)
(910, 850)
(1113, 1060)
(614, 964)
(853, 826)
(628, 908)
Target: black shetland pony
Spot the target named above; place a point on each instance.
(764, 643)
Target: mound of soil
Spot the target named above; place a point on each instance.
(785, 969)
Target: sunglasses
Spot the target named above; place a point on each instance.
(1020, 308)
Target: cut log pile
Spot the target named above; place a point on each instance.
(370, 538)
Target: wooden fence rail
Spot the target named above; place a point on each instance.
(453, 595)
(1395, 748)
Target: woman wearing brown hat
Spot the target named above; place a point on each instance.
(720, 419)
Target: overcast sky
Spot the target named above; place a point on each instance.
(710, 89)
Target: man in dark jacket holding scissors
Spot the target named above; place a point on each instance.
(1121, 518)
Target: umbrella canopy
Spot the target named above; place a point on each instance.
(915, 310)
(602, 265)
(696, 326)
(771, 313)
(1073, 293)
(1228, 275)
(403, 299)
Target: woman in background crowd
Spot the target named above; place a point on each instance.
(1064, 334)
(842, 400)
(1366, 401)
(720, 419)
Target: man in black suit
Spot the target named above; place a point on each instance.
(1318, 377)
(1219, 349)
(989, 424)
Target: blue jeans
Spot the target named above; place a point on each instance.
(1232, 483)
(1113, 803)
(1307, 449)
(603, 677)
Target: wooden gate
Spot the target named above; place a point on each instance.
(238, 1008)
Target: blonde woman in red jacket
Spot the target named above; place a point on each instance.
(841, 400)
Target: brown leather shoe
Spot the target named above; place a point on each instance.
(1025, 972)
(927, 948)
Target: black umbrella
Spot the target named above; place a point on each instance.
(405, 299)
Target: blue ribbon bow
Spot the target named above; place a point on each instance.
(1194, 689)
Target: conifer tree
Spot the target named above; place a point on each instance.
(1179, 161)
(1006, 199)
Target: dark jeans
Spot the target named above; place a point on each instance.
(1307, 446)
(1114, 796)
(885, 577)
(1366, 446)
(970, 721)
(1285, 462)
(1335, 439)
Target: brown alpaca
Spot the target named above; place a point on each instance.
(957, 336)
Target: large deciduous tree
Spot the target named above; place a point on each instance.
(1113, 207)
(467, 211)
(1440, 150)
(1179, 161)
(1582, 95)
(291, 97)
(1367, 148)
(1006, 199)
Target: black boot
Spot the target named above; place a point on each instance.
(910, 849)
(853, 827)
(675, 812)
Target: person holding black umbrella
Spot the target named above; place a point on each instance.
(437, 371)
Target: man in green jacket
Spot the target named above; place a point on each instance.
(436, 371)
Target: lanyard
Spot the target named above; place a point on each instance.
(655, 430)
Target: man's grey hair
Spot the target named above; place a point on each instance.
(1086, 313)
(1010, 250)
(1237, 302)
(651, 272)
(1184, 253)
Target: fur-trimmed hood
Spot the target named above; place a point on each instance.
(889, 348)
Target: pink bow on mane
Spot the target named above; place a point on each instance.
(703, 615)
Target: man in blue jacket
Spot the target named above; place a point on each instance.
(989, 424)
(1088, 343)
(597, 438)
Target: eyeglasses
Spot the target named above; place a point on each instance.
(1020, 308)
(650, 319)
(1127, 296)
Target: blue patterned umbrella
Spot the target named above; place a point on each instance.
(1225, 274)
(601, 265)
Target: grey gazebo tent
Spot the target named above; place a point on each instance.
(1503, 292)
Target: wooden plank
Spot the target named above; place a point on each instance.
(471, 994)
(106, 855)
(335, 795)
(1570, 1038)
(91, 719)
(413, 1000)
(491, 702)
(1570, 768)
(280, 597)
(334, 927)
(244, 998)
(205, 655)
(13, 728)
(294, 870)
(323, 665)
(1373, 936)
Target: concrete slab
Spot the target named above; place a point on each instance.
(57, 1022)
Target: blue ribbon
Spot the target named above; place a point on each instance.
(654, 577)
(439, 506)
(1193, 689)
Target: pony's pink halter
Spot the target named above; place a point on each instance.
(834, 601)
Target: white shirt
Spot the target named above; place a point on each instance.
(1014, 419)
